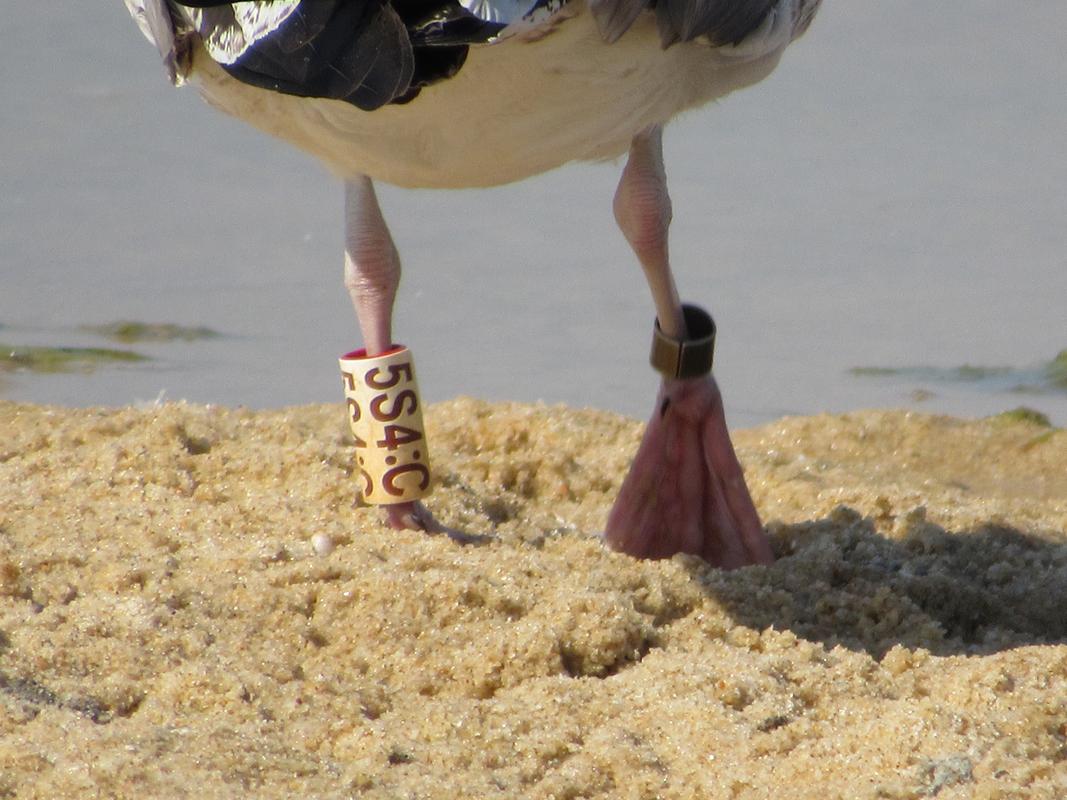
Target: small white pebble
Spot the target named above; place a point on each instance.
(322, 543)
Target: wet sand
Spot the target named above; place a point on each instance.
(168, 627)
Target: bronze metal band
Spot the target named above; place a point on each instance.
(685, 358)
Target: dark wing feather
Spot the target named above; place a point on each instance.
(723, 22)
(365, 52)
(357, 52)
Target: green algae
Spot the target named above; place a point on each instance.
(876, 372)
(129, 331)
(1022, 414)
(966, 373)
(62, 359)
(1050, 376)
(1056, 370)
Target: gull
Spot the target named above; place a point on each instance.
(478, 93)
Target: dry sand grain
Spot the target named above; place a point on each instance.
(191, 606)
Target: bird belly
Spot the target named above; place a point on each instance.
(516, 108)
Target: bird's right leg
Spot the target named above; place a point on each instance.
(685, 492)
(372, 275)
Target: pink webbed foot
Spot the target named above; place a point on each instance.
(415, 516)
(685, 492)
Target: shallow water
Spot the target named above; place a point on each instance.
(892, 197)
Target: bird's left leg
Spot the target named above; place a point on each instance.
(372, 275)
(685, 492)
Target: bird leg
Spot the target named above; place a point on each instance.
(685, 492)
(372, 275)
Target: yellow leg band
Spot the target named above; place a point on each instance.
(385, 415)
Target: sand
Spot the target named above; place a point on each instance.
(191, 605)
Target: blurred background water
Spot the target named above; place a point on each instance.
(894, 196)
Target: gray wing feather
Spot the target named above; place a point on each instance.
(614, 17)
(723, 22)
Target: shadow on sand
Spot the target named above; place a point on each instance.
(838, 581)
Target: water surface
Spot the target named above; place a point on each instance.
(892, 197)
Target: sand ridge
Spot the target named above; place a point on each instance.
(168, 629)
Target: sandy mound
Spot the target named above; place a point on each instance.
(167, 628)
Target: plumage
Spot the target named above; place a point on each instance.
(722, 23)
(230, 31)
(465, 93)
(374, 52)
(480, 115)
(153, 17)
